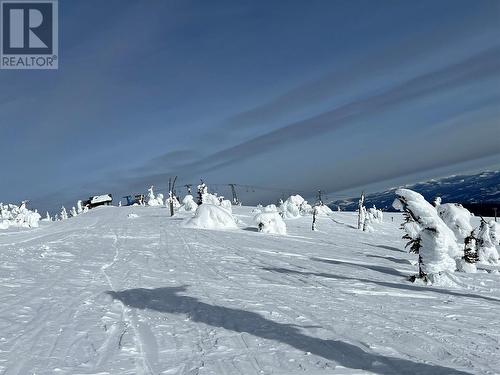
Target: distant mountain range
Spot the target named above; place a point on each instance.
(479, 190)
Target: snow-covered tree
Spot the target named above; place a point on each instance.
(188, 204)
(436, 202)
(208, 198)
(377, 215)
(294, 207)
(457, 218)
(368, 222)
(361, 211)
(172, 198)
(470, 254)
(73, 212)
(209, 216)
(270, 222)
(428, 235)
(79, 208)
(486, 249)
(494, 234)
(151, 198)
(47, 217)
(201, 189)
(159, 199)
(226, 204)
(314, 213)
(64, 214)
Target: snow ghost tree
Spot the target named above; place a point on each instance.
(494, 232)
(294, 207)
(188, 203)
(209, 216)
(270, 222)
(208, 198)
(486, 249)
(368, 222)
(377, 215)
(73, 211)
(428, 236)
(32, 218)
(436, 202)
(202, 189)
(18, 216)
(268, 208)
(361, 211)
(457, 218)
(151, 198)
(64, 214)
(159, 199)
(470, 254)
(172, 199)
(315, 213)
(79, 208)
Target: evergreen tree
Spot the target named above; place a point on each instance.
(470, 251)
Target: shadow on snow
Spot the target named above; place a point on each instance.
(170, 300)
(405, 286)
(381, 269)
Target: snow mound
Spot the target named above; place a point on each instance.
(132, 216)
(209, 216)
(270, 222)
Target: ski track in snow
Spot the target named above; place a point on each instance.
(103, 294)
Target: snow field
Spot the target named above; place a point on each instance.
(103, 294)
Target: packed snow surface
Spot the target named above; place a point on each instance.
(102, 294)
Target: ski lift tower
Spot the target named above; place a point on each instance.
(235, 197)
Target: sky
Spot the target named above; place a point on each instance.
(290, 96)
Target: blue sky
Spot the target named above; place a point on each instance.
(337, 95)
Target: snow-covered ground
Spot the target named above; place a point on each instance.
(108, 292)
